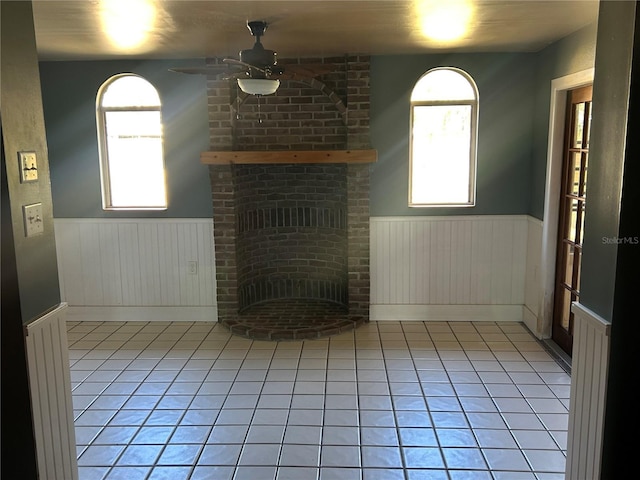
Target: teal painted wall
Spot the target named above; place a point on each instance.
(23, 129)
(572, 54)
(505, 130)
(608, 148)
(69, 95)
(512, 142)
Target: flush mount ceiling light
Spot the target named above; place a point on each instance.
(258, 86)
(128, 24)
(445, 21)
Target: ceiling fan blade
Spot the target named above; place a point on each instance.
(233, 61)
(233, 76)
(208, 70)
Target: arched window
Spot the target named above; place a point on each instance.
(444, 123)
(131, 152)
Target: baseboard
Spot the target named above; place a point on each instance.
(530, 319)
(447, 313)
(145, 314)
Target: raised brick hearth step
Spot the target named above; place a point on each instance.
(292, 320)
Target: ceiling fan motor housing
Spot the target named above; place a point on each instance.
(258, 56)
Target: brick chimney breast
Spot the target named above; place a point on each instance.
(292, 233)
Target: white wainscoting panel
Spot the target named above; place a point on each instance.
(589, 369)
(117, 264)
(50, 383)
(448, 268)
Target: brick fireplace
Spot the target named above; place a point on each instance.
(290, 191)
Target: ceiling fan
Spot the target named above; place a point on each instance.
(257, 70)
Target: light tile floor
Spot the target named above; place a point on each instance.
(388, 401)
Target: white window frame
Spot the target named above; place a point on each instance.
(471, 199)
(105, 170)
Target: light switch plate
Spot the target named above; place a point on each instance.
(28, 164)
(33, 222)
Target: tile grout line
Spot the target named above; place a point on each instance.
(351, 344)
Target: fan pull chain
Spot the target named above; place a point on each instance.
(259, 114)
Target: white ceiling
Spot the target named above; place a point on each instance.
(77, 29)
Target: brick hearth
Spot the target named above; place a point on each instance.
(293, 320)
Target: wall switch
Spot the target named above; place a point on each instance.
(33, 221)
(192, 267)
(28, 165)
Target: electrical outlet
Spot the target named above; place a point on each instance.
(33, 221)
(28, 164)
(192, 267)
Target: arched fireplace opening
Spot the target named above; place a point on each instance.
(292, 233)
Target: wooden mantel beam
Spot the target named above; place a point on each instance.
(289, 156)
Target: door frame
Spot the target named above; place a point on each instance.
(555, 154)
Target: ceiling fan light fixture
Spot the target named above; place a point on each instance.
(258, 86)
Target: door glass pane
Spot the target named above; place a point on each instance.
(580, 236)
(573, 220)
(574, 173)
(589, 125)
(578, 125)
(583, 192)
(569, 257)
(578, 258)
(566, 309)
(573, 234)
